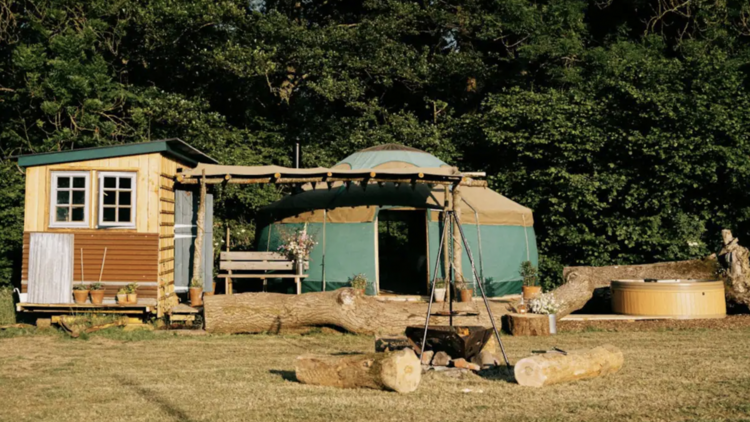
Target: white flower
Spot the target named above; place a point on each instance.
(545, 303)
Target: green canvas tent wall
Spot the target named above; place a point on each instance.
(345, 221)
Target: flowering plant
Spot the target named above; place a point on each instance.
(296, 245)
(545, 303)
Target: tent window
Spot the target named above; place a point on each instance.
(117, 199)
(70, 199)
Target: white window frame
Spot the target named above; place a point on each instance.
(133, 176)
(54, 175)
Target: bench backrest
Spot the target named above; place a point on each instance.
(256, 261)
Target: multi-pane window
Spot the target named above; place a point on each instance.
(116, 199)
(70, 199)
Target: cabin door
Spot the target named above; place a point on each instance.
(185, 230)
(50, 268)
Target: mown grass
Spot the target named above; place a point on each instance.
(7, 307)
(143, 376)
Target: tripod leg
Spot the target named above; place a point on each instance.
(481, 288)
(432, 291)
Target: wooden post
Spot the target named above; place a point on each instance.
(446, 248)
(228, 280)
(457, 245)
(198, 254)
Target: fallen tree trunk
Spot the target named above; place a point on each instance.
(343, 308)
(554, 368)
(580, 282)
(399, 371)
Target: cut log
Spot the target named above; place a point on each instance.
(526, 324)
(399, 371)
(344, 308)
(554, 367)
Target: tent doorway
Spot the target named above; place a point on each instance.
(402, 252)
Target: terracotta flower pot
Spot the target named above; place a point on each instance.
(132, 298)
(122, 298)
(196, 298)
(361, 292)
(80, 296)
(467, 295)
(97, 296)
(530, 292)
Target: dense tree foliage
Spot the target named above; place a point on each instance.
(624, 124)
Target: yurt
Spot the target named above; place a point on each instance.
(390, 232)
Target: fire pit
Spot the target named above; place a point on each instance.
(457, 341)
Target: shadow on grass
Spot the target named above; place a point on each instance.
(285, 375)
(498, 373)
(153, 398)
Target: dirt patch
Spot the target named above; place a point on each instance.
(731, 322)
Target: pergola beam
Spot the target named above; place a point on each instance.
(360, 180)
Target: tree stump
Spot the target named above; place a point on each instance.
(399, 371)
(526, 324)
(554, 368)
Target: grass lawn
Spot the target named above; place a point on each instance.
(671, 373)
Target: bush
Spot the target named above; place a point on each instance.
(7, 307)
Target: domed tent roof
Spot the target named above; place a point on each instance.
(355, 204)
(389, 156)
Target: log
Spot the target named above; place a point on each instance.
(554, 367)
(344, 308)
(399, 371)
(526, 324)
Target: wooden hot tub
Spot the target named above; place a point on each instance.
(684, 299)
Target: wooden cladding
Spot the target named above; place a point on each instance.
(131, 257)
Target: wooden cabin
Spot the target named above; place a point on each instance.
(108, 214)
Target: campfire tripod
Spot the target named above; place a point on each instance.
(449, 218)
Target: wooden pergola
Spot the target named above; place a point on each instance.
(449, 177)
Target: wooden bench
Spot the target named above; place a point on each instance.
(257, 265)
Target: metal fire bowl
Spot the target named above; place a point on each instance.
(457, 341)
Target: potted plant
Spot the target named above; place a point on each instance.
(122, 296)
(530, 275)
(440, 290)
(359, 282)
(80, 293)
(97, 293)
(465, 291)
(132, 291)
(196, 292)
(546, 304)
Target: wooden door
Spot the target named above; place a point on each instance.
(50, 268)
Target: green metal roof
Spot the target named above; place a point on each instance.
(174, 148)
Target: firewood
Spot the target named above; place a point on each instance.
(554, 367)
(399, 371)
(526, 324)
